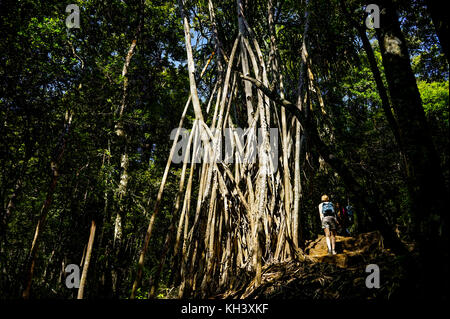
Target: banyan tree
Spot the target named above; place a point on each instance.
(240, 187)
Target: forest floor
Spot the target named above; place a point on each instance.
(323, 276)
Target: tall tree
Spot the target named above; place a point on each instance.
(424, 173)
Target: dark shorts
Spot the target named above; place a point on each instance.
(329, 222)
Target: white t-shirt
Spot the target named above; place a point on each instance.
(320, 210)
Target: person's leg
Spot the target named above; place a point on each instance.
(333, 241)
(327, 238)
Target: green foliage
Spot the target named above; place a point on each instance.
(435, 100)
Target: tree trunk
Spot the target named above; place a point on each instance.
(87, 261)
(424, 176)
(378, 80)
(121, 192)
(45, 208)
(440, 17)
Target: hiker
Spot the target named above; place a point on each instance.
(329, 223)
(342, 219)
(348, 212)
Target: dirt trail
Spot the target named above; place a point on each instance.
(350, 250)
(324, 276)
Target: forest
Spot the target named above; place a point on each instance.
(157, 149)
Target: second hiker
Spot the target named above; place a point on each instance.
(329, 223)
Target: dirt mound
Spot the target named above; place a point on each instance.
(321, 276)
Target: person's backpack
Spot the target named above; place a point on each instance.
(328, 209)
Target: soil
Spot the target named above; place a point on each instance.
(323, 276)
